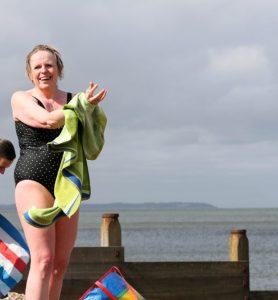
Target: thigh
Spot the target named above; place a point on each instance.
(41, 241)
(65, 236)
(30, 193)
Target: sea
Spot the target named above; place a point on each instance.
(189, 235)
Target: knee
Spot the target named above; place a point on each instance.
(43, 263)
(60, 267)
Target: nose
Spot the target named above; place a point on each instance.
(43, 68)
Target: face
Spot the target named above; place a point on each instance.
(44, 71)
(4, 163)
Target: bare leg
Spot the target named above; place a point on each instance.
(41, 241)
(66, 232)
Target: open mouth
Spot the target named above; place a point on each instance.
(45, 79)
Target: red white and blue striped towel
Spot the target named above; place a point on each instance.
(14, 256)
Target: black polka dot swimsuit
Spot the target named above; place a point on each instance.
(36, 161)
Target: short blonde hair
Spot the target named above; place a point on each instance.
(60, 64)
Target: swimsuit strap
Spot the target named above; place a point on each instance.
(69, 96)
(39, 102)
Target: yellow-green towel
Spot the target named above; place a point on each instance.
(82, 138)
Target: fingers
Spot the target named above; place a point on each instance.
(98, 97)
(94, 99)
(91, 89)
(104, 94)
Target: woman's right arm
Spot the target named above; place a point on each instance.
(26, 110)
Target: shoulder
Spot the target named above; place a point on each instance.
(21, 95)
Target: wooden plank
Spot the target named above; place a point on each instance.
(199, 280)
(168, 280)
(264, 295)
(97, 254)
(157, 280)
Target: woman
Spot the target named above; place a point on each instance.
(38, 119)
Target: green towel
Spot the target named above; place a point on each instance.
(82, 138)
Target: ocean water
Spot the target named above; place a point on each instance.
(191, 235)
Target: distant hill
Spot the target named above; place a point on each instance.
(135, 206)
(147, 206)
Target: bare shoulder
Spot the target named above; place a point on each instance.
(20, 95)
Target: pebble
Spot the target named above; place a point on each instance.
(15, 296)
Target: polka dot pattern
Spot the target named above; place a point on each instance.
(36, 161)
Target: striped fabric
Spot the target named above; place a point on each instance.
(14, 256)
(112, 286)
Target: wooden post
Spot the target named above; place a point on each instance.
(238, 245)
(110, 231)
(239, 251)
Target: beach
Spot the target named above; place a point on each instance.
(15, 296)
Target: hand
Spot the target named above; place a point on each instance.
(94, 99)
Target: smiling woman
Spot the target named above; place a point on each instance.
(38, 119)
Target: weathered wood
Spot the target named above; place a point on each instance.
(167, 280)
(164, 280)
(110, 231)
(264, 295)
(238, 245)
(97, 254)
(188, 280)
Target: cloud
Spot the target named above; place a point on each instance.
(241, 60)
(192, 102)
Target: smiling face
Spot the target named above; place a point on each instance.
(43, 69)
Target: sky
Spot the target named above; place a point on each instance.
(192, 99)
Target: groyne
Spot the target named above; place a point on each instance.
(177, 280)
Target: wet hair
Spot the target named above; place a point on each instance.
(7, 150)
(60, 64)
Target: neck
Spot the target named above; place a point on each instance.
(50, 93)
